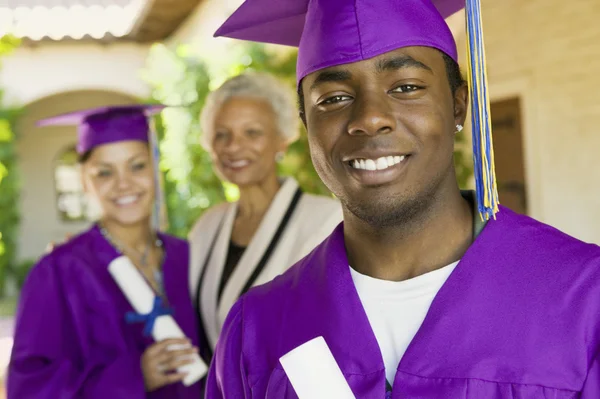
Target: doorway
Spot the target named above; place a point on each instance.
(509, 154)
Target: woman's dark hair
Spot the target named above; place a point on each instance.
(83, 158)
(452, 71)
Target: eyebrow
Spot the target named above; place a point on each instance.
(331, 76)
(399, 62)
(138, 155)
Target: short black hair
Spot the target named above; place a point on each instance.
(455, 79)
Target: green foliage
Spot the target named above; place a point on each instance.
(8, 306)
(9, 180)
(191, 186)
(180, 77)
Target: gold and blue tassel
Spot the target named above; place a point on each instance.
(159, 218)
(483, 148)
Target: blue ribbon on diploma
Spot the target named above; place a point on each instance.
(157, 310)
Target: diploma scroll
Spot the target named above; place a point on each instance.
(314, 373)
(142, 300)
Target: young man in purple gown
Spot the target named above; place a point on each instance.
(414, 296)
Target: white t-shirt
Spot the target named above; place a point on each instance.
(396, 310)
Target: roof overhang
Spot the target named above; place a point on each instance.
(93, 20)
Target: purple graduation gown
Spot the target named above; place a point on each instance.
(71, 337)
(519, 318)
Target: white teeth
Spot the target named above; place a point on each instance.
(382, 163)
(239, 164)
(377, 164)
(127, 200)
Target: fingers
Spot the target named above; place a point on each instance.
(175, 342)
(176, 362)
(50, 247)
(161, 360)
(163, 345)
(166, 360)
(170, 354)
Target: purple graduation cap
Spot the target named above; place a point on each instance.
(335, 32)
(108, 124)
(112, 124)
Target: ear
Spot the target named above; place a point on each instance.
(461, 104)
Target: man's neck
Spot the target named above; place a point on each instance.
(439, 237)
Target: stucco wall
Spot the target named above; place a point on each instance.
(199, 28)
(548, 52)
(32, 73)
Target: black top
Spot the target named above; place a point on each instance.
(234, 254)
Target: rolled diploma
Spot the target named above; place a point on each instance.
(141, 297)
(314, 373)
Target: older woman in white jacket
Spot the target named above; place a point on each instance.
(247, 125)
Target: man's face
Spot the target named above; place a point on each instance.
(381, 132)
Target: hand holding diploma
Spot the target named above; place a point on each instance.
(161, 361)
(163, 328)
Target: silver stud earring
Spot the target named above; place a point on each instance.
(459, 128)
(279, 156)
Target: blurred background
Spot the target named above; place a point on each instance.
(62, 55)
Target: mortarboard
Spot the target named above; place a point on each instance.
(113, 124)
(108, 124)
(335, 32)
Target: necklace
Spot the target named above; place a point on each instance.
(120, 247)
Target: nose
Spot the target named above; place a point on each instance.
(234, 144)
(123, 180)
(371, 115)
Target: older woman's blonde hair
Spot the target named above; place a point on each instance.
(258, 85)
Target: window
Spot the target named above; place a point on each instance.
(70, 201)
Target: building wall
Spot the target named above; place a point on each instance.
(32, 73)
(38, 148)
(548, 53)
(199, 28)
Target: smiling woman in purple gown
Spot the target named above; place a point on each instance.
(72, 337)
